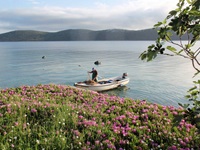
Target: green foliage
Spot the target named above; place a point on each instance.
(152, 52)
(80, 35)
(193, 113)
(183, 21)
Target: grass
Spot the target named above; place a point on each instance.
(60, 117)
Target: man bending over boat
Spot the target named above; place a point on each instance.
(94, 74)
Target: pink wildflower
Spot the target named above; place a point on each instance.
(16, 123)
(182, 143)
(76, 132)
(24, 125)
(144, 110)
(175, 112)
(99, 131)
(186, 140)
(57, 132)
(134, 122)
(172, 148)
(108, 111)
(33, 110)
(97, 142)
(80, 117)
(134, 130)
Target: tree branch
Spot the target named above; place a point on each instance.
(193, 64)
(197, 52)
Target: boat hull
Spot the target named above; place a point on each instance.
(104, 84)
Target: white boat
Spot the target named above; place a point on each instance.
(103, 84)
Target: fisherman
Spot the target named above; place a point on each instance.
(94, 74)
(124, 75)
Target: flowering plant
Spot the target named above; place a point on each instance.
(63, 117)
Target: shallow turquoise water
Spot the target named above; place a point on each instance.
(164, 80)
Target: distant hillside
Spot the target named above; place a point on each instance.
(80, 35)
(23, 36)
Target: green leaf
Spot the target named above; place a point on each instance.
(198, 72)
(149, 56)
(164, 21)
(172, 49)
(193, 88)
(168, 37)
(173, 12)
(187, 46)
(143, 56)
(158, 24)
(180, 51)
(180, 104)
(194, 92)
(189, 1)
(187, 96)
(196, 82)
(151, 46)
(184, 105)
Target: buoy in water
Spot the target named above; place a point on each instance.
(97, 62)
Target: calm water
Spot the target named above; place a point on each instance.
(164, 81)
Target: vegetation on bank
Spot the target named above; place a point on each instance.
(63, 117)
(82, 35)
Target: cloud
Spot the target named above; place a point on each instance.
(133, 15)
(35, 2)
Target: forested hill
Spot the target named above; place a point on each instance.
(80, 35)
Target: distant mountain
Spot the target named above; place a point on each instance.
(80, 35)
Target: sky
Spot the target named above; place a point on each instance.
(58, 15)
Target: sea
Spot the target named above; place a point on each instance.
(164, 80)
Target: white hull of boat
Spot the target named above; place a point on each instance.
(104, 84)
